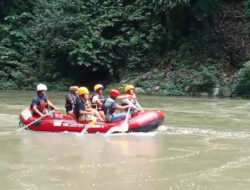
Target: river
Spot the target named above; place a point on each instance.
(204, 144)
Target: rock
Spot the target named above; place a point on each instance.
(204, 94)
(216, 91)
(225, 91)
(187, 88)
(155, 70)
(147, 76)
(123, 81)
(157, 88)
(139, 90)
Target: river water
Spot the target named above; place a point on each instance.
(204, 144)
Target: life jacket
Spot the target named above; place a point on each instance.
(70, 101)
(106, 110)
(95, 106)
(78, 101)
(42, 105)
(40, 102)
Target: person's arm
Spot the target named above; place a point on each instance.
(99, 103)
(121, 97)
(128, 102)
(118, 107)
(34, 108)
(138, 105)
(85, 112)
(51, 105)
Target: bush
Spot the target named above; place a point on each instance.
(204, 80)
(171, 89)
(241, 81)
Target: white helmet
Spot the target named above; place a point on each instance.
(41, 87)
(73, 88)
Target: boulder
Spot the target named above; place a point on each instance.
(187, 88)
(204, 94)
(156, 88)
(216, 91)
(139, 90)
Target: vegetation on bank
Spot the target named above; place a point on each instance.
(171, 47)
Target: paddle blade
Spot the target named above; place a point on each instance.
(91, 124)
(123, 128)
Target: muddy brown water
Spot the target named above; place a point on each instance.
(203, 144)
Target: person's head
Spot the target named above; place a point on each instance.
(83, 92)
(114, 93)
(129, 89)
(73, 89)
(98, 88)
(41, 89)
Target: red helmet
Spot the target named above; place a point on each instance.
(114, 92)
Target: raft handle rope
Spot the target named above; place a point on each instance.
(26, 126)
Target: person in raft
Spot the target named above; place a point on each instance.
(110, 106)
(130, 90)
(81, 108)
(70, 99)
(40, 102)
(97, 99)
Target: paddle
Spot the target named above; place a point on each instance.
(122, 128)
(26, 126)
(91, 124)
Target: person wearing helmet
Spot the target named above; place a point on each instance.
(110, 106)
(40, 102)
(70, 99)
(130, 90)
(97, 99)
(81, 109)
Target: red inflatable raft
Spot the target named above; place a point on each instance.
(144, 122)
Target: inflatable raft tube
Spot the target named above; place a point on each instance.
(144, 122)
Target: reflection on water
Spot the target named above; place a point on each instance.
(204, 144)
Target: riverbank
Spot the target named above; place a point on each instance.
(202, 81)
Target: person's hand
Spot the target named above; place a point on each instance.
(42, 115)
(130, 96)
(55, 108)
(131, 106)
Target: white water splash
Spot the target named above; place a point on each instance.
(202, 132)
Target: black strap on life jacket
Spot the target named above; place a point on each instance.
(105, 110)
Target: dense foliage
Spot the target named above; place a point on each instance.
(61, 42)
(66, 39)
